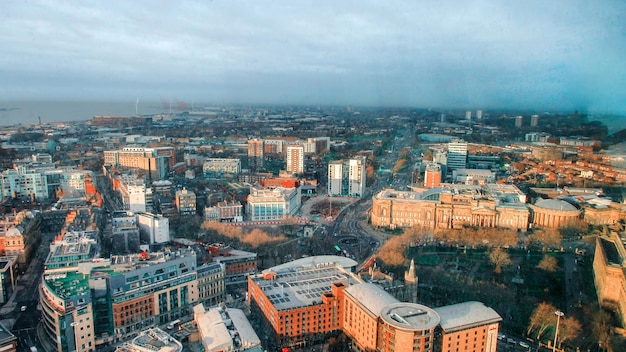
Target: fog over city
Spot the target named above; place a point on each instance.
(546, 55)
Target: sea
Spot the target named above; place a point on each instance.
(29, 112)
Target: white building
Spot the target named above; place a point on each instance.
(272, 204)
(217, 167)
(153, 228)
(20, 182)
(347, 178)
(225, 330)
(473, 176)
(295, 159)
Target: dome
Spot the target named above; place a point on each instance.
(555, 204)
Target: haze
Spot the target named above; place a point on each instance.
(484, 54)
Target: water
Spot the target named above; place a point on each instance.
(28, 112)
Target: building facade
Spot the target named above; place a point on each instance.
(295, 159)
(347, 178)
(272, 204)
(219, 167)
(457, 155)
(186, 202)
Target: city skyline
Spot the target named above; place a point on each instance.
(560, 56)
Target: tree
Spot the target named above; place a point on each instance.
(499, 258)
(569, 329)
(601, 327)
(542, 318)
(548, 263)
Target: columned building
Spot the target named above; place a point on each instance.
(554, 213)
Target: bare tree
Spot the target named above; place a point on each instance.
(499, 258)
(601, 328)
(542, 318)
(548, 263)
(569, 329)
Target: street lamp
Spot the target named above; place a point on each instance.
(559, 314)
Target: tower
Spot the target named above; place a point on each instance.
(295, 159)
(518, 121)
(479, 114)
(457, 155)
(255, 154)
(432, 176)
(410, 283)
(534, 120)
(468, 115)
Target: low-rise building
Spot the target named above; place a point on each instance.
(468, 326)
(151, 340)
(225, 329)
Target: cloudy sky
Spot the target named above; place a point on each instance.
(558, 54)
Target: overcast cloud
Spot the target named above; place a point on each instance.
(560, 54)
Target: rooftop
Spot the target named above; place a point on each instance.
(410, 316)
(466, 315)
(371, 296)
(149, 340)
(67, 285)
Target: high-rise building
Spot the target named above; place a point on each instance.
(534, 120)
(153, 229)
(432, 176)
(518, 121)
(295, 159)
(468, 115)
(347, 178)
(457, 155)
(479, 114)
(154, 162)
(256, 153)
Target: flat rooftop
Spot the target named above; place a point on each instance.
(466, 315)
(67, 285)
(302, 283)
(410, 316)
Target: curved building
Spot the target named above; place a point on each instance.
(407, 327)
(554, 213)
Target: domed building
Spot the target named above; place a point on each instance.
(554, 213)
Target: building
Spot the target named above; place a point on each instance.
(457, 155)
(272, 204)
(452, 207)
(221, 167)
(518, 121)
(256, 154)
(135, 194)
(468, 115)
(224, 212)
(302, 298)
(151, 340)
(8, 341)
(225, 329)
(468, 326)
(125, 233)
(153, 229)
(186, 202)
(479, 114)
(473, 176)
(295, 159)
(8, 279)
(554, 213)
(238, 264)
(347, 178)
(211, 283)
(23, 183)
(534, 120)
(609, 264)
(432, 176)
(155, 163)
(303, 301)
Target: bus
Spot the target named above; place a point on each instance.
(338, 250)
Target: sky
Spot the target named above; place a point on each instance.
(551, 55)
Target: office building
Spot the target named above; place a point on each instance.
(272, 204)
(295, 159)
(479, 114)
(238, 264)
(155, 163)
(125, 233)
(534, 120)
(468, 115)
(224, 212)
(518, 121)
(211, 283)
(456, 157)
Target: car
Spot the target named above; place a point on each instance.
(22, 308)
(501, 336)
(524, 344)
(511, 341)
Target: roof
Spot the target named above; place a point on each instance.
(371, 296)
(410, 316)
(213, 330)
(246, 333)
(466, 315)
(343, 262)
(555, 204)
